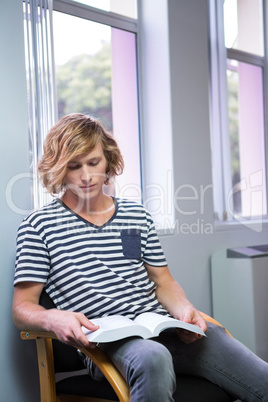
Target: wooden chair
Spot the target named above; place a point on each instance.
(56, 357)
(118, 389)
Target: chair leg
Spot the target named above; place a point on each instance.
(46, 370)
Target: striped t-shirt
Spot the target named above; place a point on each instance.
(95, 270)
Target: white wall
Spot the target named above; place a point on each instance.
(18, 379)
(188, 254)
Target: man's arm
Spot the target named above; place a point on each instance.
(172, 297)
(29, 315)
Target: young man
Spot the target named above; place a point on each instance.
(97, 255)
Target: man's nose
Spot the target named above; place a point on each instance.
(86, 174)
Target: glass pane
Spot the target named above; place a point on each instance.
(83, 67)
(246, 129)
(96, 75)
(128, 8)
(243, 25)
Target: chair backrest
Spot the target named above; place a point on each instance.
(66, 358)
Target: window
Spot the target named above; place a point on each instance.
(96, 74)
(127, 8)
(80, 58)
(238, 85)
(88, 57)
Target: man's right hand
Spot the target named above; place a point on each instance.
(67, 326)
(29, 315)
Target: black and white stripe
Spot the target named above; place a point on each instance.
(96, 270)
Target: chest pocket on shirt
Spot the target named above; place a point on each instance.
(131, 243)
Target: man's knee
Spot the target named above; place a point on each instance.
(148, 367)
(155, 361)
(154, 374)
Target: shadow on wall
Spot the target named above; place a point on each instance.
(19, 378)
(25, 368)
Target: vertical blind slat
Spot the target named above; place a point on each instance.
(40, 81)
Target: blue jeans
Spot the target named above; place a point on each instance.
(150, 366)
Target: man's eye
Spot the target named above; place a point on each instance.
(73, 167)
(93, 163)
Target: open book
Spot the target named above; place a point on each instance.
(145, 325)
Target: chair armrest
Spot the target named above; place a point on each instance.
(109, 370)
(213, 321)
(44, 341)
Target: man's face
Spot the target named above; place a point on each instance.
(86, 174)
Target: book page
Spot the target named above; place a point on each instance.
(112, 322)
(146, 325)
(115, 327)
(157, 323)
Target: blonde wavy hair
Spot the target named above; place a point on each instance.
(71, 136)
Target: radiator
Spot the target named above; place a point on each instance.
(240, 294)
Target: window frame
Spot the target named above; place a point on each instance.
(96, 15)
(87, 13)
(153, 73)
(120, 22)
(221, 159)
